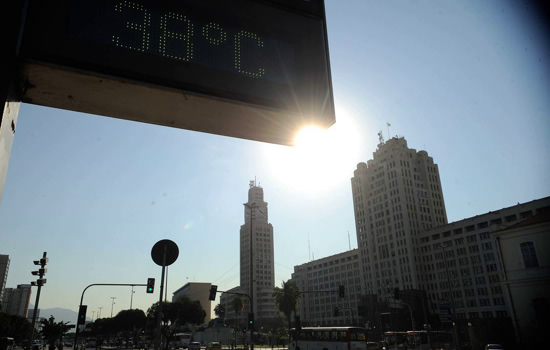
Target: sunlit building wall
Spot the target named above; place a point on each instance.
(396, 195)
(197, 291)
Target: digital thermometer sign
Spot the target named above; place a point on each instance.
(185, 36)
(266, 59)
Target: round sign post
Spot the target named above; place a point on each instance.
(164, 253)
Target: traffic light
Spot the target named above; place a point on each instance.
(244, 331)
(341, 291)
(297, 323)
(250, 320)
(150, 285)
(213, 291)
(82, 314)
(396, 293)
(336, 311)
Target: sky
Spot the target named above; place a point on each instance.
(466, 80)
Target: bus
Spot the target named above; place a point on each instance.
(421, 340)
(395, 340)
(180, 340)
(328, 338)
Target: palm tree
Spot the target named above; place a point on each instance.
(219, 310)
(53, 331)
(287, 299)
(238, 306)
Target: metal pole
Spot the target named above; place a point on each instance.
(131, 297)
(251, 277)
(39, 283)
(34, 314)
(112, 305)
(166, 290)
(159, 312)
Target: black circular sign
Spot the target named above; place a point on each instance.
(172, 252)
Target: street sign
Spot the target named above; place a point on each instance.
(159, 249)
(244, 68)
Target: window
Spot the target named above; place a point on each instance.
(529, 255)
(510, 218)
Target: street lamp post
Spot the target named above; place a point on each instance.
(251, 281)
(132, 297)
(99, 313)
(443, 246)
(112, 304)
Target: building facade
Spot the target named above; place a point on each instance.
(4, 268)
(197, 291)
(525, 258)
(396, 195)
(257, 254)
(319, 282)
(16, 301)
(459, 262)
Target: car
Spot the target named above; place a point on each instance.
(214, 346)
(494, 347)
(195, 345)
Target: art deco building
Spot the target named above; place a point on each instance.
(257, 255)
(396, 195)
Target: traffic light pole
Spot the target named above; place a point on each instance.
(39, 283)
(252, 328)
(75, 345)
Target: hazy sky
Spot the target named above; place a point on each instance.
(468, 81)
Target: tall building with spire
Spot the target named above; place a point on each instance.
(396, 195)
(257, 254)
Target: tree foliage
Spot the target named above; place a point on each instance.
(53, 331)
(287, 299)
(237, 305)
(219, 310)
(175, 316)
(13, 326)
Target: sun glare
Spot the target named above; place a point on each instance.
(320, 159)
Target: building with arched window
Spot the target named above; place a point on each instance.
(525, 258)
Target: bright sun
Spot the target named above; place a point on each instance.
(320, 158)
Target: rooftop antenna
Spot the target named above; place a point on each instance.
(349, 241)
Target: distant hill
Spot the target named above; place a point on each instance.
(60, 314)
